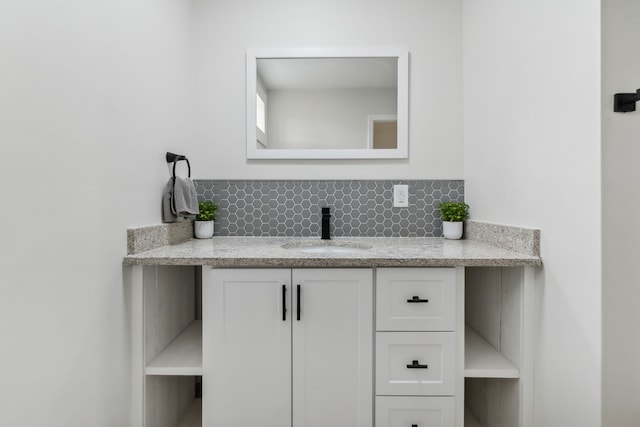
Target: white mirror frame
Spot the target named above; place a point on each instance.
(402, 152)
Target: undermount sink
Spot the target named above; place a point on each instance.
(326, 247)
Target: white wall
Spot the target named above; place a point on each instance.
(430, 30)
(620, 230)
(532, 158)
(92, 94)
(325, 118)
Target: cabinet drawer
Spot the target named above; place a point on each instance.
(415, 299)
(404, 411)
(415, 363)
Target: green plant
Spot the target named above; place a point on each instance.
(208, 211)
(454, 211)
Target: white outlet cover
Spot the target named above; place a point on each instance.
(400, 196)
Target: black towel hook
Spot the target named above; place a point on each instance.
(625, 102)
(175, 158)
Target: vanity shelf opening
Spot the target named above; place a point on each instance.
(482, 360)
(173, 401)
(183, 355)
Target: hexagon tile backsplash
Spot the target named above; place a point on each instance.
(358, 208)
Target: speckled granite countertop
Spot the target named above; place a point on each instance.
(379, 252)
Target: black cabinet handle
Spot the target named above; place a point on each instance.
(298, 302)
(414, 425)
(416, 365)
(416, 298)
(284, 303)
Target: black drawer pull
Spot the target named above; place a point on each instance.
(298, 302)
(414, 425)
(284, 303)
(416, 365)
(416, 298)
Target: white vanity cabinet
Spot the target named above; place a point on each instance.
(286, 347)
(332, 347)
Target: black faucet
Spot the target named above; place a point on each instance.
(326, 223)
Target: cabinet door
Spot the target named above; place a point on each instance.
(246, 348)
(333, 348)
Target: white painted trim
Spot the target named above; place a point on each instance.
(252, 87)
(460, 339)
(134, 276)
(528, 331)
(402, 152)
(208, 310)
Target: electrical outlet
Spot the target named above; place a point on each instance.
(400, 196)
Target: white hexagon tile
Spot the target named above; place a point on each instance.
(358, 208)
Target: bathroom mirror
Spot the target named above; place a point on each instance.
(327, 103)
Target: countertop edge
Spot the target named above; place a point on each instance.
(328, 263)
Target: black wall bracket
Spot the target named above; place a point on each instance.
(175, 158)
(625, 102)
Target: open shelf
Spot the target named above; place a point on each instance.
(183, 355)
(484, 361)
(469, 419)
(192, 416)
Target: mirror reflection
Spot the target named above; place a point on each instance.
(320, 103)
(326, 106)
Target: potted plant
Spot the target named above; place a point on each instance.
(453, 214)
(203, 225)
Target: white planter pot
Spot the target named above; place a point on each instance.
(203, 229)
(452, 230)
